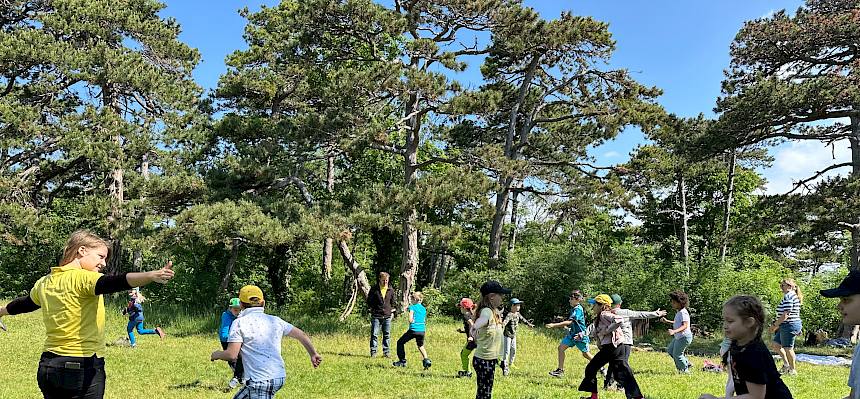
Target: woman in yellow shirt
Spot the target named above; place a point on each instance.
(488, 333)
(73, 311)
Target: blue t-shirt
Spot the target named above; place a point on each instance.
(577, 315)
(226, 321)
(419, 317)
(135, 313)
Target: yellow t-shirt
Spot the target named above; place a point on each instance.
(383, 290)
(74, 315)
(489, 336)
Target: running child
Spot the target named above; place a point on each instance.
(578, 334)
(134, 310)
(511, 322)
(467, 311)
(417, 330)
(752, 371)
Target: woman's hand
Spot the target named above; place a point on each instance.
(162, 275)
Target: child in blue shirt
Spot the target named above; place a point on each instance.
(227, 319)
(417, 330)
(577, 336)
(134, 310)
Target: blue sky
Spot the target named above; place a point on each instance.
(678, 46)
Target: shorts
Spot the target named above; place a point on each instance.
(787, 333)
(570, 341)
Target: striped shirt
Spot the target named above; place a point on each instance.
(790, 305)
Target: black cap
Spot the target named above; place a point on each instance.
(849, 286)
(494, 287)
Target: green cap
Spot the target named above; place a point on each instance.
(234, 302)
(616, 299)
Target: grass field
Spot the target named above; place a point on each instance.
(179, 366)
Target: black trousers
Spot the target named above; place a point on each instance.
(612, 371)
(65, 377)
(238, 369)
(406, 337)
(615, 357)
(485, 371)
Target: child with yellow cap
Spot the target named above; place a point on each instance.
(257, 336)
(611, 338)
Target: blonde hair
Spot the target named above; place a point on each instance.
(78, 239)
(417, 296)
(138, 296)
(794, 287)
(485, 303)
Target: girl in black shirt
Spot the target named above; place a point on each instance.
(752, 372)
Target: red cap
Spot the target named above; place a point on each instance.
(466, 303)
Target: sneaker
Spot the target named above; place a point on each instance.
(687, 371)
(399, 363)
(603, 371)
(234, 382)
(785, 369)
(427, 363)
(160, 332)
(558, 373)
(506, 371)
(372, 355)
(792, 372)
(387, 356)
(464, 374)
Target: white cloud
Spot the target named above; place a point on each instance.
(611, 154)
(798, 160)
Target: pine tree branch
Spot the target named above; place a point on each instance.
(803, 183)
(387, 148)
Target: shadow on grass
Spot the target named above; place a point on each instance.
(195, 386)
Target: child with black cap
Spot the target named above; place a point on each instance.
(488, 332)
(848, 293)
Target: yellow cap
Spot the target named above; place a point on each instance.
(251, 294)
(603, 299)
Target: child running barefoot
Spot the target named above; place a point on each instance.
(417, 330)
(577, 336)
(488, 333)
(848, 293)
(134, 310)
(467, 310)
(511, 321)
(682, 336)
(752, 371)
(607, 328)
(227, 319)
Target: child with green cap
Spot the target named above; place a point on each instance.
(227, 318)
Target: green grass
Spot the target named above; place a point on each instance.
(179, 366)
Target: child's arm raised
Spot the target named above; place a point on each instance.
(559, 324)
(300, 336)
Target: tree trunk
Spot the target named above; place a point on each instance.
(511, 152)
(499, 220)
(855, 174)
(444, 264)
(355, 269)
(137, 256)
(514, 208)
(685, 245)
(409, 265)
(730, 194)
(328, 243)
(231, 264)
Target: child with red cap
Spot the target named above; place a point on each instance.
(467, 310)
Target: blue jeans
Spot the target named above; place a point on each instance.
(787, 333)
(383, 323)
(676, 350)
(140, 330)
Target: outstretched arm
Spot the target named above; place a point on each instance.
(230, 354)
(300, 336)
(20, 305)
